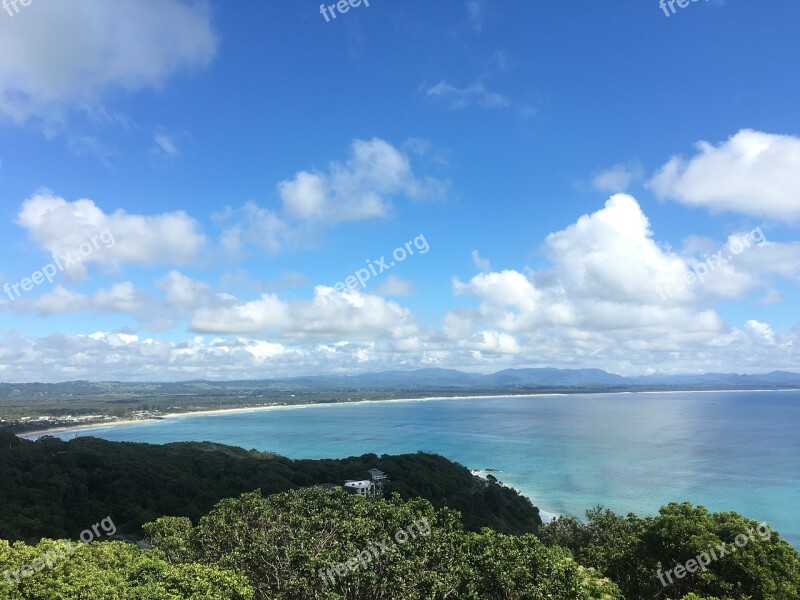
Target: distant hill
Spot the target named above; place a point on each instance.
(26, 407)
(420, 379)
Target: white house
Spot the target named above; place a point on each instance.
(363, 487)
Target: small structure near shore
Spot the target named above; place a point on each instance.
(379, 478)
(368, 488)
(362, 487)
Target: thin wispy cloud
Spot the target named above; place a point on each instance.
(476, 10)
(165, 146)
(476, 94)
(618, 178)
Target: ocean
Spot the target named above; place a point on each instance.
(630, 452)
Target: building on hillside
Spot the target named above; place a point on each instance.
(362, 487)
(379, 478)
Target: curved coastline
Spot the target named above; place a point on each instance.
(218, 411)
(524, 481)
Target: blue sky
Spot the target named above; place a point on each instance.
(558, 169)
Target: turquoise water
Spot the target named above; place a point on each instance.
(630, 452)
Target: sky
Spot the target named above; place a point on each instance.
(245, 190)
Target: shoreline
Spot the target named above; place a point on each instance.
(218, 411)
(41, 432)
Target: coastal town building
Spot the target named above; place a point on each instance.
(379, 479)
(368, 488)
(362, 487)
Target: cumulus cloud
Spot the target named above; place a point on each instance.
(361, 188)
(328, 315)
(130, 357)
(612, 254)
(256, 316)
(256, 226)
(754, 347)
(119, 298)
(68, 55)
(183, 292)
(595, 303)
(64, 228)
(492, 342)
(352, 315)
(598, 302)
(752, 173)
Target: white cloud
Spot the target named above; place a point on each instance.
(256, 226)
(761, 330)
(68, 55)
(351, 315)
(396, 286)
(62, 227)
(482, 264)
(612, 254)
(618, 178)
(361, 188)
(119, 298)
(328, 315)
(131, 357)
(598, 302)
(256, 316)
(509, 300)
(476, 93)
(492, 342)
(184, 292)
(752, 173)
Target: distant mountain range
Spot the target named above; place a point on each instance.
(421, 380)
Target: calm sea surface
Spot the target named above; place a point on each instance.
(630, 452)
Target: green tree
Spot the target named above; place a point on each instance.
(637, 554)
(289, 546)
(66, 570)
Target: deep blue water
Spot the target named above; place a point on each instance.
(630, 452)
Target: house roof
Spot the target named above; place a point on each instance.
(357, 483)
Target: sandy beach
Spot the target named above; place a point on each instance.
(245, 409)
(219, 411)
